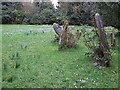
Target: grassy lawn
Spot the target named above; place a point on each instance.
(40, 64)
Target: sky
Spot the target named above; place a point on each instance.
(55, 3)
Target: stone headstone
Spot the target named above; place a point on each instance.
(57, 28)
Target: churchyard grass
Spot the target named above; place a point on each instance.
(30, 59)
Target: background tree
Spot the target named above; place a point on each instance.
(77, 13)
(110, 13)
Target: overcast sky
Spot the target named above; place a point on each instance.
(55, 2)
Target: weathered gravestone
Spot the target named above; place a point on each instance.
(103, 55)
(66, 38)
(113, 42)
(57, 28)
(98, 44)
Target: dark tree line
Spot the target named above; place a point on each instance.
(77, 13)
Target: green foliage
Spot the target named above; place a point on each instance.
(42, 65)
(47, 16)
(78, 13)
(18, 16)
(75, 19)
(36, 19)
(110, 13)
(6, 14)
(12, 12)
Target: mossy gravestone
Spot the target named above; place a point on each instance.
(65, 38)
(101, 55)
(58, 30)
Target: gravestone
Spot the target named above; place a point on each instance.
(98, 44)
(103, 54)
(57, 28)
(65, 37)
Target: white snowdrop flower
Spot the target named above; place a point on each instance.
(76, 74)
(67, 78)
(83, 81)
(100, 67)
(95, 64)
(75, 86)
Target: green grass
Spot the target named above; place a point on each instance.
(42, 65)
(0, 56)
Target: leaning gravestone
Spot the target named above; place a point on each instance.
(66, 38)
(98, 44)
(103, 54)
(57, 28)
